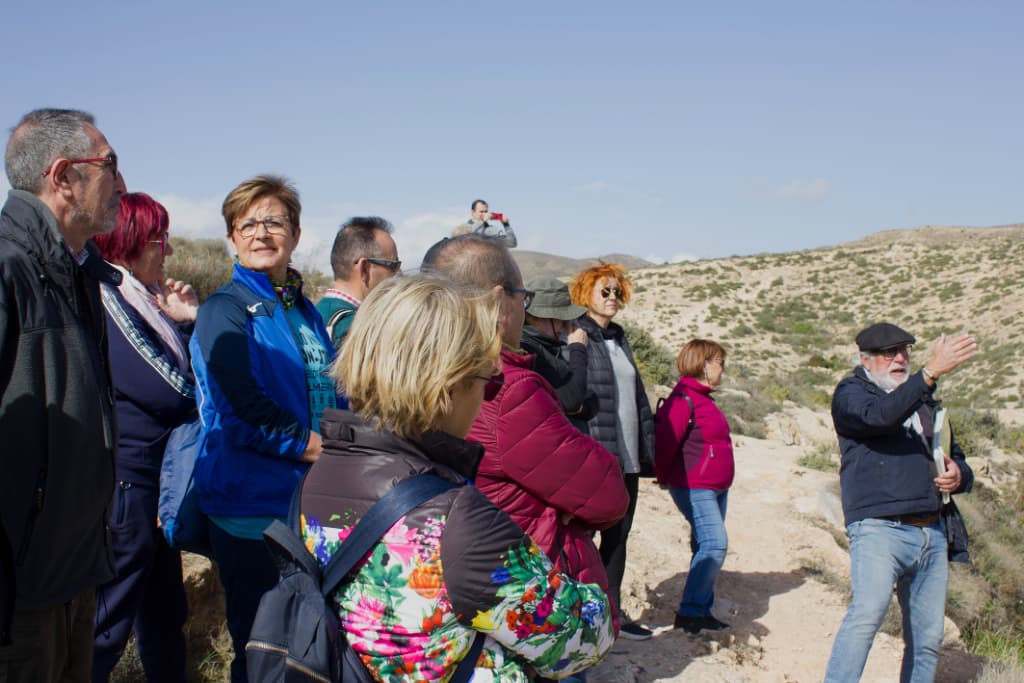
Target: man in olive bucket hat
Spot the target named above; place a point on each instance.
(560, 347)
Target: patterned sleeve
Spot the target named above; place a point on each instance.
(500, 583)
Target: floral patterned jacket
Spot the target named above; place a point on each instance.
(453, 566)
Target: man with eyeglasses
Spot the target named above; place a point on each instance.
(557, 483)
(364, 255)
(891, 436)
(56, 400)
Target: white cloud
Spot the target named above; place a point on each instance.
(675, 258)
(593, 187)
(193, 217)
(803, 190)
(415, 234)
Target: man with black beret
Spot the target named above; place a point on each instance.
(890, 430)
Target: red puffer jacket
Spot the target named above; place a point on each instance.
(537, 466)
(704, 460)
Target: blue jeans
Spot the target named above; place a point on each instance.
(704, 509)
(884, 552)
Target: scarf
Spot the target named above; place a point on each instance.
(289, 291)
(143, 300)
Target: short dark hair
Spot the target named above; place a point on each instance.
(473, 260)
(356, 240)
(472, 207)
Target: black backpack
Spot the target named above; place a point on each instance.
(689, 423)
(296, 635)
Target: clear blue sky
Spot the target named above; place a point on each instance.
(659, 129)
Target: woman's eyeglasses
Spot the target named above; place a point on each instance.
(164, 243)
(274, 225)
(493, 385)
(608, 291)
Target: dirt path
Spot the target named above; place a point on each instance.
(783, 615)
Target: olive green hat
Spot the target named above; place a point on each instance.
(551, 300)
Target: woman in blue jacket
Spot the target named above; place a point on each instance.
(261, 355)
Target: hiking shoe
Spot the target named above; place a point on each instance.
(694, 625)
(689, 624)
(634, 631)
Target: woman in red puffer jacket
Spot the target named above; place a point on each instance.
(694, 460)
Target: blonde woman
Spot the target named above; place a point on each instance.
(419, 361)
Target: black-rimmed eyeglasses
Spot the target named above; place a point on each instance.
(394, 265)
(274, 225)
(527, 294)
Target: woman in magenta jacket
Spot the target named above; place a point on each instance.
(693, 459)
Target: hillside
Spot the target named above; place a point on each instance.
(537, 264)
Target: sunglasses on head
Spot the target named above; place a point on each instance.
(608, 291)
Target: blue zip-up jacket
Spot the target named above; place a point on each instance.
(253, 399)
(886, 467)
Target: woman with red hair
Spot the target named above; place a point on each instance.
(623, 423)
(148, 322)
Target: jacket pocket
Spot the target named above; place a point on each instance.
(38, 499)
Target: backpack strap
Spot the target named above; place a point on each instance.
(336, 318)
(399, 501)
(693, 420)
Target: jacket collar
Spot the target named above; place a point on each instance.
(693, 384)
(538, 338)
(598, 333)
(345, 431)
(38, 234)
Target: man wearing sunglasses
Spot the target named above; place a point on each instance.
(557, 483)
(363, 256)
(890, 436)
(56, 401)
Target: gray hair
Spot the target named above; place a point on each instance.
(40, 137)
(473, 260)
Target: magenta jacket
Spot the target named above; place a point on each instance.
(537, 466)
(705, 460)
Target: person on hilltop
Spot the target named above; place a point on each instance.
(559, 347)
(889, 424)
(483, 222)
(149, 320)
(261, 355)
(364, 255)
(623, 423)
(558, 484)
(57, 414)
(420, 360)
(694, 461)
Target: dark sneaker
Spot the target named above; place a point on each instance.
(712, 624)
(696, 624)
(634, 631)
(689, 624)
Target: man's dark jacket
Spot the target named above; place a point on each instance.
(887, 468)
(568, 377)
(57, 427)
(601, 380)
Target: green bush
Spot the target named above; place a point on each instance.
(657, 365)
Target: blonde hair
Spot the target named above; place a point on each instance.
(412, 341)
(696, 353)
(248, 191)
(582, 286)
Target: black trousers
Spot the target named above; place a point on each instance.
(147, 594)
(613, 545)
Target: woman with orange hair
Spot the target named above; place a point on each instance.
(623, 423)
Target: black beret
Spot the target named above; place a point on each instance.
(881, 336)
